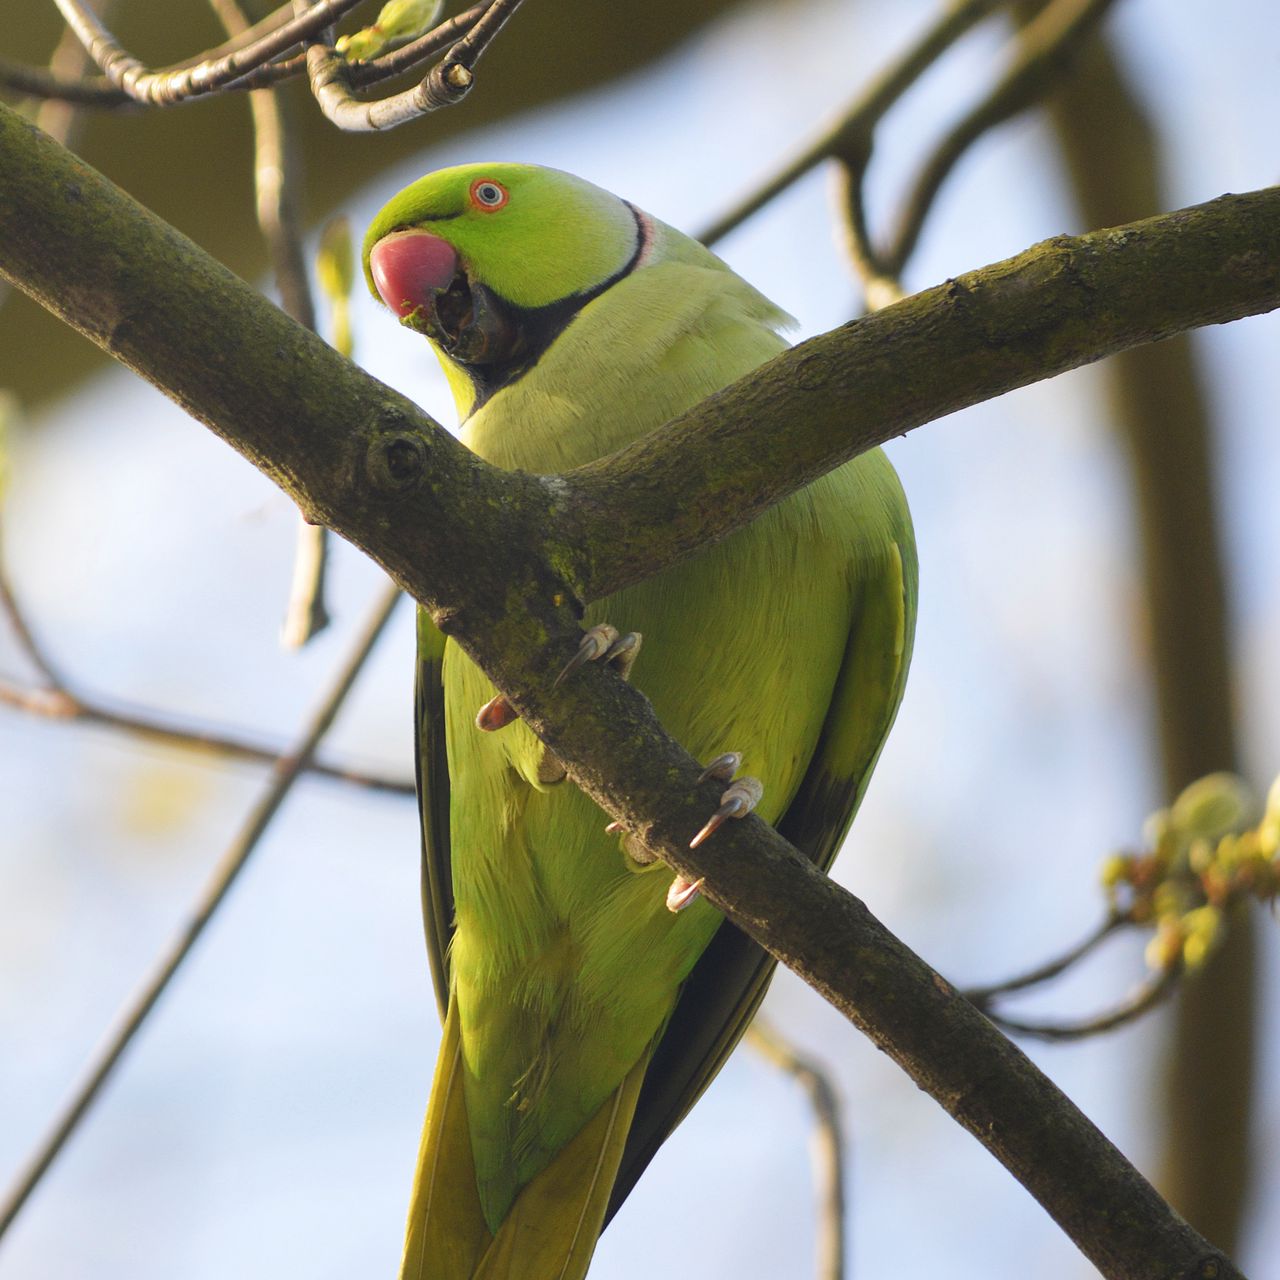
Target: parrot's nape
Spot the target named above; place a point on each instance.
(588, 999)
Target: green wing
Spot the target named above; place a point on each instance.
(433, 803)
(722, 994)
(726, 986)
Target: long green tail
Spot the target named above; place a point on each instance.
(550, 1231)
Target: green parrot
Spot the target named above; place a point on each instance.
(588, 997)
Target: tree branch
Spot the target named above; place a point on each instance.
(447, 83)
(162, 88)
(851, 135)
(499, 557)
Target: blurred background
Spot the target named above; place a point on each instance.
(266, 1120)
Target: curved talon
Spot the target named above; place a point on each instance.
(682, 893)
(737, 802)
(723, 767)
(497, 713)
(604, 642)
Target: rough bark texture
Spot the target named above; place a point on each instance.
(502, 560)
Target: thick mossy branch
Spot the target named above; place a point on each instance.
(499, 559)
(1061, 304)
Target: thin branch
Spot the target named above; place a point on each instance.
(38, 82)
(447, 83)
(1044, 48)
(306, 613)
(287, 769)
(58, 702)
(22, 630)
(851, 134)
(466, 539)
(982, 996)
(827, 1147)
(1148, 995)
(98, 91)
(274, 178)
(161, 88)
(62, 120)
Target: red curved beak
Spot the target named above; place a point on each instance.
(410, 268)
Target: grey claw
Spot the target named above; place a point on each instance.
(723, 767)
(603, 642)
(737, 802)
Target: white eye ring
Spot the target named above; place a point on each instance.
(489, 194)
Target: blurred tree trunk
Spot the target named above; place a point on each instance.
(1159, 408)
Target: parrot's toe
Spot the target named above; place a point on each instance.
(497, 713)
(603, 642)
(740, 797)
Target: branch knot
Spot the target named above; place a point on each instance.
(397, 461)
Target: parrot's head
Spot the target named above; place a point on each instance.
(491, 261)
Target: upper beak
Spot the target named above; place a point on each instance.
(410, 268)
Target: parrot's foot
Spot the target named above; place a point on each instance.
(603, 642)
(599, 642)
(741, 796)
(497, 713)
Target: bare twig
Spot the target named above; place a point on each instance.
(12, 609)
(306, 613)
(1044, 48)
(982, 996)
(61, 120)
(161, 88)
(828, 1143)
(286, 771)
(39, 82)
(446, 83)
(850, 136)
(274, 162)
(59, 702)
(98, 91)
(1148, 995)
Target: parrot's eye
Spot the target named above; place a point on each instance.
(487, 194)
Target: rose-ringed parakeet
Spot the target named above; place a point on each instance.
(583, 1015)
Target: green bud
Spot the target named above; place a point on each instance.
(1115, 870)
(1214, 806)
(1165, 947)
(1202, 930)
(398, 22)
